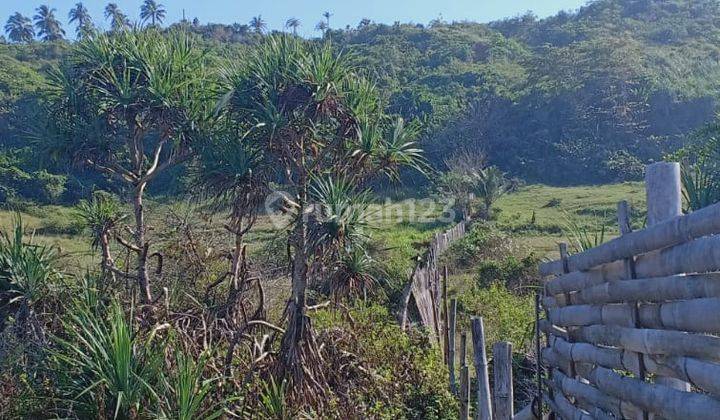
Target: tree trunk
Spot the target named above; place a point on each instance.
(107, 260)
(142, 244)
(291, 348)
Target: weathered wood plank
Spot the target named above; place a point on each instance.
(484, 408)
(503, 385)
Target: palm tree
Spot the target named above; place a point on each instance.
(152, 11)
(258, 24)
(101, 216)
(327, 16)
(293, 23)
(19, 28)
(80, 15)
(132, 105)
(271, 89)
(231, 174)
(48, 26)
(321, 27)
(118, 20)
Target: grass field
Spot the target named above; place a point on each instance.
(400, 229)
(554, 208)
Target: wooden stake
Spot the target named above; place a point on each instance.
(464, 393)
(484, 408)
(451, 345)
(503, 392)
(446, 321)
(663, 188)
(538, 361)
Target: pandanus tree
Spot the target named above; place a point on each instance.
(101, 216)
(19, 28)
(232, 173)
(131, 105)
(307, 104)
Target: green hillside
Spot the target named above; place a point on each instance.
(582, 97)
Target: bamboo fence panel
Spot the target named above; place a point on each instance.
(647, 302)
(425, 287)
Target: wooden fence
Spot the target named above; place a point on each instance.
(631, 325)
(424, 287)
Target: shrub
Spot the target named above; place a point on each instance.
(507, 316)
(481, 243)
(103, 369)
(376, 370)
(513, 273)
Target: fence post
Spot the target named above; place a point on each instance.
(464, 393)
(663, 188)
(446, 319)
(538, 356)
(502, 370)
(484, 408)
(451, 344)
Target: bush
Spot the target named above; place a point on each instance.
(378, 371)
(481, 243)
(507, 316)
(513, 273)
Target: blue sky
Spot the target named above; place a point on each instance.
(276, 12)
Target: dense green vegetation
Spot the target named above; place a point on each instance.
(592, 94)
(151, 268)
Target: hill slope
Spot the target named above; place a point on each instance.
(582, 97)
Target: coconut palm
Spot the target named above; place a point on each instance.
(49, 28)
(293, 23)
(19, 28)
(80, 14)
(327, 16)
(131, 105)
(321, 27)
(258, 24)
(118, 20)
(152, 11)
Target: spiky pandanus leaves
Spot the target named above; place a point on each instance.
(340, 214)
(188, 390)
(103, 368)
(353, 274)
(27, 270)
(100, 215)
(308, 106)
